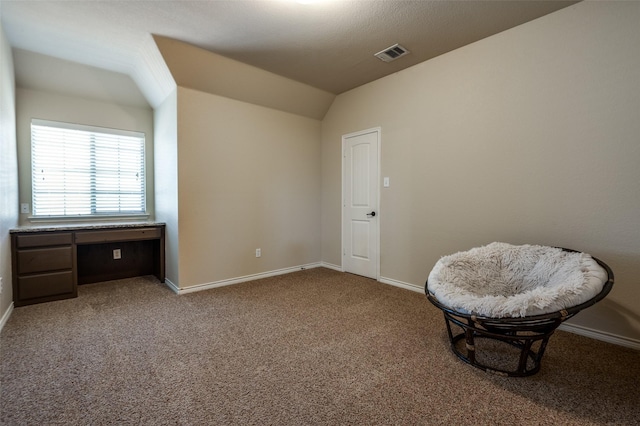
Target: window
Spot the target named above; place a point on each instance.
(86, 171)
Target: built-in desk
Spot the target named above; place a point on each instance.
(49, 262)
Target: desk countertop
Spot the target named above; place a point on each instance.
(82, 226)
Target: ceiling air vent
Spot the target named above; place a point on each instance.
(391, 53)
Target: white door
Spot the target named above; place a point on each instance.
(360, 224)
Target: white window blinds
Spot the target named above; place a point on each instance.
(81, 170)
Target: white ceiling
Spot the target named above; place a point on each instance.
(328, 44)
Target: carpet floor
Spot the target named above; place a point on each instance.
(312, 347)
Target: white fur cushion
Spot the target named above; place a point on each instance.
(503, 280)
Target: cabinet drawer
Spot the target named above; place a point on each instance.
(117, 235)
(39, 240)
(40, 260)
(44, 285)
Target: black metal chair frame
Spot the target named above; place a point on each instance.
(520, 332)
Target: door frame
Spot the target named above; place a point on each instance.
(378, 131)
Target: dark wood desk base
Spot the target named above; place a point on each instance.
(48, 264)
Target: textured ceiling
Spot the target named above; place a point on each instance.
(326, 44)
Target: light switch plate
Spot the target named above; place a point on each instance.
(385, 182)
(24, 208)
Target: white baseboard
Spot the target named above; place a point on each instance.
(401, 284)
(601, 335)
(5, 316)
(331, 266)
(171, 285)
(238, 280)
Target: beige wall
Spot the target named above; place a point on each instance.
(248, 177)
(43, 105)
(529, 136)
(8, 170)
(166, 179)
(246, 150)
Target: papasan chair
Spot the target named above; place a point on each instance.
(502, 302)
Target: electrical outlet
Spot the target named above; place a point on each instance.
(258, 252)
(117, 254)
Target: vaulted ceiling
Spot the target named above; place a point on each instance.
(327, 44)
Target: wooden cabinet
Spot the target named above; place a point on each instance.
(49, 264)
(43, 267)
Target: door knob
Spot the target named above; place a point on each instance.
(372, 214)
